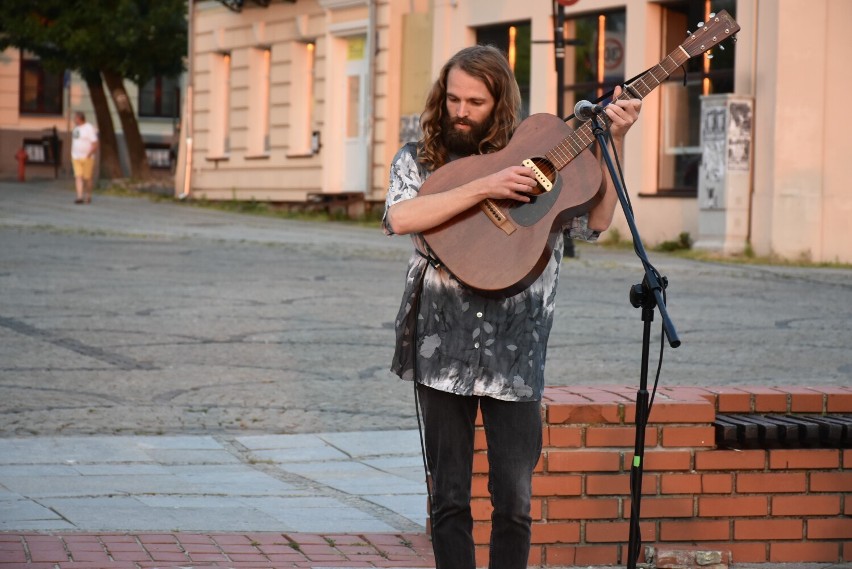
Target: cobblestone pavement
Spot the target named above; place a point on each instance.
(130, 316)
(256, 349)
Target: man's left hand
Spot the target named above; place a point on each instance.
(622, 114)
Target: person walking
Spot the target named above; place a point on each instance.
(465, 351)
(84, 146)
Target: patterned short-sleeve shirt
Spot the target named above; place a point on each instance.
(453, 339)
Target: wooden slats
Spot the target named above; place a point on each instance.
(783, 431)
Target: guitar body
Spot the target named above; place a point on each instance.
(482, 254)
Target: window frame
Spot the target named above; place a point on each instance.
(34, 63)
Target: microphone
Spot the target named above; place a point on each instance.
(584, 110)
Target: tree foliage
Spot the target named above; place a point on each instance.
(129, 39)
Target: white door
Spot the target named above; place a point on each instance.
(355, 173)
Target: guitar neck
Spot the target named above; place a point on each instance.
(584, 136)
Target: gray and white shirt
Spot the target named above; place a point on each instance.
(463, 342)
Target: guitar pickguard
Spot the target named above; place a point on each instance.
(528, 214)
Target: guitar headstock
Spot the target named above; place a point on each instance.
(711, 33)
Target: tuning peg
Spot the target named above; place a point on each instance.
(712, 15)
(722, 47)
(688, 33)
(700, 24)
(708, 55)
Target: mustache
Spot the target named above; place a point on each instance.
(462, 120)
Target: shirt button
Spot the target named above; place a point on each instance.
(479, 315)
(476, 345)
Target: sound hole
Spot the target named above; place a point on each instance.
(546, 169)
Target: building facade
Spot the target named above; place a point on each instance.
(299, 99)
(36, 114)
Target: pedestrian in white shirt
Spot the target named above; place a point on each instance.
(84, 145)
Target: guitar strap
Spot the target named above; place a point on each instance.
(609, 93)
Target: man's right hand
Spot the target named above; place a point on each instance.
(514, 182)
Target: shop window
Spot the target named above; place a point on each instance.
(680, 111)
(514, 40)
(594, 55)
(160, 98)
(41, 89)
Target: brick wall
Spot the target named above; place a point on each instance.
(777, 505)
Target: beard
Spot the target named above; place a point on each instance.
(461, 142)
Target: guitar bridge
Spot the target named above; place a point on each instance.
(497, 217)
(540, 176)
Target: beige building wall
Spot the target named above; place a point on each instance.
(802, 198)
(790, 59)
(14, 126)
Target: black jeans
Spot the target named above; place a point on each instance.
(513, 433)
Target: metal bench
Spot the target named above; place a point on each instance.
(783, 431)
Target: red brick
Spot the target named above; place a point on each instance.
(480, 463)
(535, 556)
(480, 509)
(847, 458)
(661, 508)
(768, 400)
(847, 551)
(564, 437)
(773, 483)
(552, 485)
(481, 555)
(479, 486)
(730, 460)
(583, 461)
(768, 529)
(696, 483)
(804, 552)
(582, 508)
(830, 528)
(732, 400)
(731, 506)
(675, 412)
(584, 413)
(695, 530)
(570, 556)
(559, 532)
(663, 460)
(810, 459)
(806, 505)
(839, 399)
(618, 436)
(742, 551)
(689, 437)
(831, 482)
(479, 439)
(617, 484)
(805, 400)
(613, 532)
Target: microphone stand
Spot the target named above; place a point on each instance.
(648, 295)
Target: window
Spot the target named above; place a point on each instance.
(594, 58)
(514, 41)
(220, 106)
(680, 111)
(41, 90)
(160, 97)
(302, 98)
(258, 120)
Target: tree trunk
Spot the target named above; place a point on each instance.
(110, 161)
(135, 146)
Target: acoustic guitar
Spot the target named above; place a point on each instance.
(502, 246)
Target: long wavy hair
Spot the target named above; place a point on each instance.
(489, 65)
